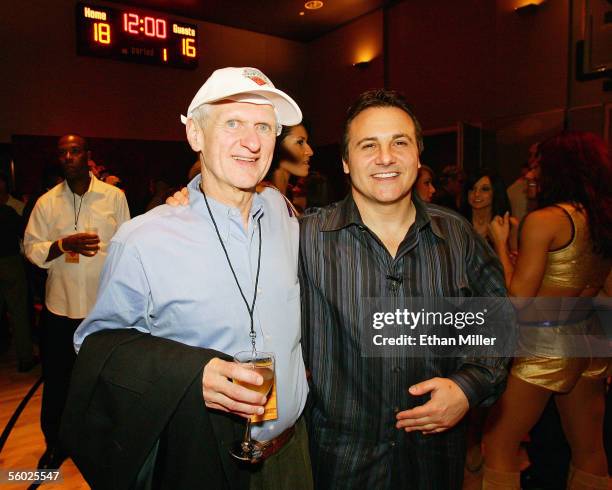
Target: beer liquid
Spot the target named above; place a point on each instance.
(268, 378)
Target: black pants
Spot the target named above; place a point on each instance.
(58, 356)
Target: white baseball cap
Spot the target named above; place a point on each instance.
(236, 83)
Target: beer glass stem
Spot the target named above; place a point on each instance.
(246, 443)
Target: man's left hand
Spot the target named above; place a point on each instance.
(447, 406)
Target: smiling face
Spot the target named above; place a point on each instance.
(236, 145)
(296, 147)
(383, 157)
(480, 196)
(424, 185)
(533, 177)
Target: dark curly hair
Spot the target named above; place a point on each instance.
(575, 168)
(500, 203)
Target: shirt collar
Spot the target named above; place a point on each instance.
(423, 218)
(346, 214)
(196, 200)
(93, 186)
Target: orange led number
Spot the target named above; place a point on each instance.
(102, 33)
(187, 47)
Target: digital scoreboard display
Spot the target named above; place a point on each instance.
(129, 34)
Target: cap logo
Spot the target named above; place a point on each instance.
(256, 76)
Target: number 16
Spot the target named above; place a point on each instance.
(188, 48)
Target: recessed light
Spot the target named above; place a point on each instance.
(313, 4)
(301, 13)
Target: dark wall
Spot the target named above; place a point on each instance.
(440, 54)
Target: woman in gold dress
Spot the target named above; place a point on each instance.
(565, 251)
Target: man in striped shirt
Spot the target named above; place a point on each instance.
(388, 422)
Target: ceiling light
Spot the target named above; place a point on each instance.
(361, 64)
(529, 7)
(313, 4)
(301, 13)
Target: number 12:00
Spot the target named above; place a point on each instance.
(151, 27)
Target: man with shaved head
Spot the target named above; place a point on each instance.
(67, 234)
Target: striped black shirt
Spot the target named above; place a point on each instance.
(354, 398)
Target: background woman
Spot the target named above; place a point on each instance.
(291, 158)
(424, 183)
(565, 251)
(484, 198)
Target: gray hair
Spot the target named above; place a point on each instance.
(201, 114)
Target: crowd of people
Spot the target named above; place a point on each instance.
(156, 306)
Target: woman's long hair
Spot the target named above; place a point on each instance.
(280, 153)
(500, 203)
(575, 168)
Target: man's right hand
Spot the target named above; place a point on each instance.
(221, 394)
(86, 244)
(179, 198)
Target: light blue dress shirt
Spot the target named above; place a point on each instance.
(166, 274)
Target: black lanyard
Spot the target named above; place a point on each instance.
(77, 213)
(250, 309)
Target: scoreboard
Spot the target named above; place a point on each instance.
(129, 34)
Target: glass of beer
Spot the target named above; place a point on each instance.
(92, 229)
(263, 363)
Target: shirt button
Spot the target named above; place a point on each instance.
(259, 291)
(396, 409)
(397, 369)
(392, 443)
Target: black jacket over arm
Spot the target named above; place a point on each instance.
(131, 391)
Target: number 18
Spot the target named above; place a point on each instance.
(102, 33)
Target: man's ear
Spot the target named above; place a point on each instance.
(194, 135)
(345, 167)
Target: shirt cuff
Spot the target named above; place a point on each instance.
(38, 254)
(474, 383)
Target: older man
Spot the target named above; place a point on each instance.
(68, 234)
(389, 422)
(221, 274)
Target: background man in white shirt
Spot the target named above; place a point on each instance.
(67, 234)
